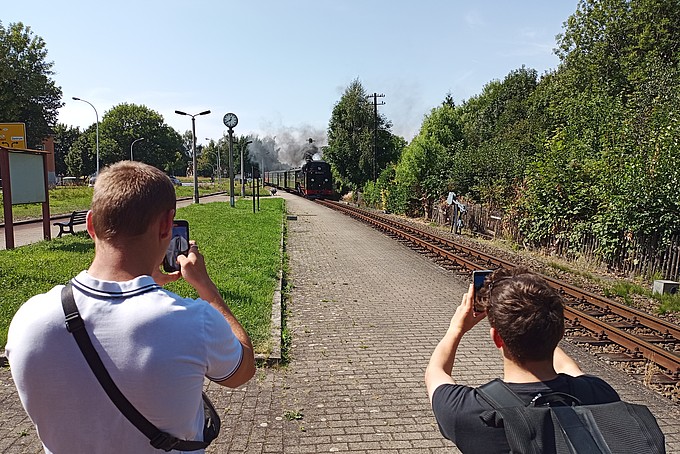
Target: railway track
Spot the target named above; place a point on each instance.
(621, 333)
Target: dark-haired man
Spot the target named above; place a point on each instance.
(527, 322)
(158, 347)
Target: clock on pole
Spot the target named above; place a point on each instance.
(230, 120)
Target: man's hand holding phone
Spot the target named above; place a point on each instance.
(179, 245)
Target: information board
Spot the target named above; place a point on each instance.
(28, 177)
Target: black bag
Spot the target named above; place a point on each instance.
(158, 439)
(558, 423)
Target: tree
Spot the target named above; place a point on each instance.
(125, 123)
(120, 126)
(350, 147)
(64, 138)
(608, 116)
(27, 92)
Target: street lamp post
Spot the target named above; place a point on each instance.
(193, 147)
(97, 137)
(243, 186)
(132, 144)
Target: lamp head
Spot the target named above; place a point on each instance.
(76, 99)
(205, 112)
(180, 112)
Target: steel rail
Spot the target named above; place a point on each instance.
(607, 305)
(654, 353)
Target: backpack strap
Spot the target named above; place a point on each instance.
(580, 436)
(499, 395)
(76, 326)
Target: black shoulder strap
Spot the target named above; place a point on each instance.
(499, 395)
(76, 326)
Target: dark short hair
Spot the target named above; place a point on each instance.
(526, 312)
(128, 196)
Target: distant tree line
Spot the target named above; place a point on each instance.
(591, 146)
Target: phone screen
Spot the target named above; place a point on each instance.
(179, 245)
(478, 278)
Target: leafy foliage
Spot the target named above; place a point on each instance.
(27, 92)
(120, 126)
(350, 148)
(588, 148)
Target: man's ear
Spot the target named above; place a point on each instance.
(165, 224)
(496, 337)
(89, 224)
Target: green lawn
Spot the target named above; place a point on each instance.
(64, 199)
(241, 248)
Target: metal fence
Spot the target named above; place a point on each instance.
(637, 255)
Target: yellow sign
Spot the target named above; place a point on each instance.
(13, 135)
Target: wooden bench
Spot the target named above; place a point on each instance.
(76, 218)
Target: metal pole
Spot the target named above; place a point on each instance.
(193, 148)
(243, 186)
(252, 171)
(194, 160)
(243, 180)
(375, 132)
(132, 144)
(231, 167)
(97, 136)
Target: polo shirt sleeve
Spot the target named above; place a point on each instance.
(224, 352)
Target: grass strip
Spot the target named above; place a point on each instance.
(241, 249)
(65, 199)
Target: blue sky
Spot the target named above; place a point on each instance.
(281, 66)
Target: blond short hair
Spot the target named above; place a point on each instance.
(128, 197)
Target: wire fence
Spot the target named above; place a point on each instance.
(636, 255)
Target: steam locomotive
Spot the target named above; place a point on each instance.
(313, 180)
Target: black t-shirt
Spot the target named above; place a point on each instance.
(457, 409)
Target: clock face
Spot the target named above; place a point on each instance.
(230, 120)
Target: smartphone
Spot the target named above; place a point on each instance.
(478, 278)
(179, 245)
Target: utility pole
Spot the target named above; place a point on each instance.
(375, 97)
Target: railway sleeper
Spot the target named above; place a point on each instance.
(590, 340)
(658, 378)
(621, 357)
(652, 338)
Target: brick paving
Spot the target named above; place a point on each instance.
(365, 312)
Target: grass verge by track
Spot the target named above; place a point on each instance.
(241, 248)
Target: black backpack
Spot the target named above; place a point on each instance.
(558, 423)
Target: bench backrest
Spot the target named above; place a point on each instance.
(78, 216)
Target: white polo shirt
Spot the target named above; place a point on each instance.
(157, 346)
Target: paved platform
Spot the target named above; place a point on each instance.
(364, 315)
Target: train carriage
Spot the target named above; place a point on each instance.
(312, 180)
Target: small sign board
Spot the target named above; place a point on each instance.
(449, 199)
(13, 135)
